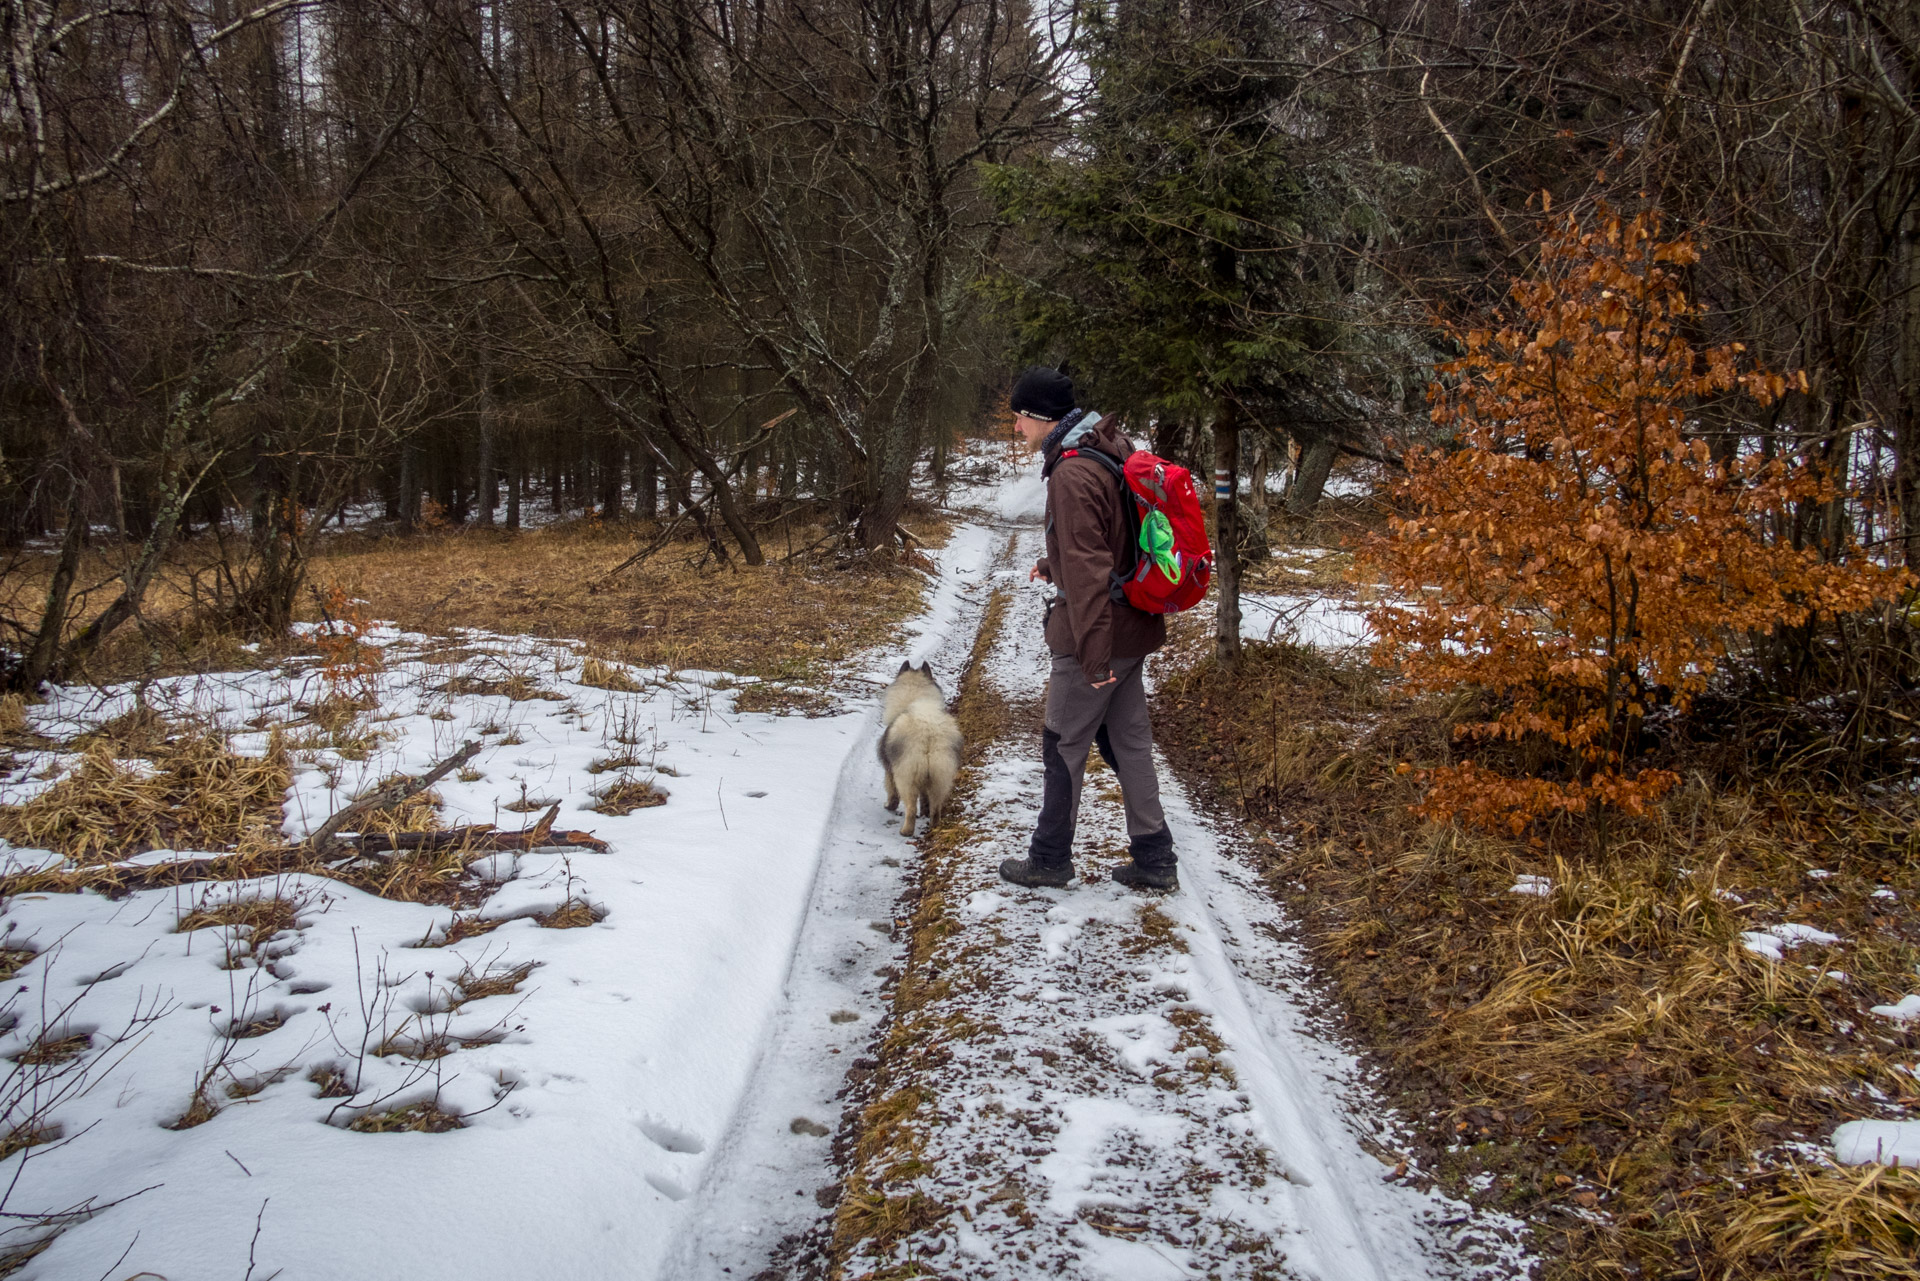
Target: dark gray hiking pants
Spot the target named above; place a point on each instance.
(1078, 716)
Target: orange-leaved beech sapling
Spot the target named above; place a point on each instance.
(1578, 553)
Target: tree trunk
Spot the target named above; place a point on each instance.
(409, 485)
(1316, 463)
(1226, 518)
(612, 476)
(1906, 422)
(1253, 538)
(486, 491)
(646, 484)
(1171, 440)
(45, 651)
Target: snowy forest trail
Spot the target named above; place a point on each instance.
(775, 1170)
(1076, 1083)
(749, 1032)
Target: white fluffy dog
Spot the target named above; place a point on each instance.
(920, 745)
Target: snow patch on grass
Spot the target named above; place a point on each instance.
(1771, 941)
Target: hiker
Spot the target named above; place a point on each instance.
(1099, 645)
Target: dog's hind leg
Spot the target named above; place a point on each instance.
(912, 810)
(893, 793)
(939, 792)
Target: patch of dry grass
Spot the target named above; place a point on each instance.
(28, 1135)
(197, 795)
(417, 813)
(332, 1080)
(779, 621)
(603, 675)
(47, 1051)
(1861, 1224)
(463, 926)
(776, 698)
(414, 1118)
(252, 920)
(672, 611)
(436, 875)
(574, 914)
(494, 982)
(1640, 1087)
(13, 960)
(262, 918)
(141, 730)
(625, 796)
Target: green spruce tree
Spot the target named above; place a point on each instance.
(1174, 266)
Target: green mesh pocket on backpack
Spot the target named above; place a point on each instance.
(1156, 544)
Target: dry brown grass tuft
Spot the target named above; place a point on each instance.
(252, 920)
(47, 1051)
(463, 926)
(1156, 932)
(419, 1118)
(574, 914)
(415, 876)
(332, 1080)
(262, 918)
(13, 715)
(625, 796)
(1831, 1222)
(12, 1260)
(141, 730)
(603, 675)
(778, 698)
(196, 795)
(494, 982)
(417, 813)
(1638, 1085)
(200, 1109)
(29, 1134)
(13, 960)
(518, 687)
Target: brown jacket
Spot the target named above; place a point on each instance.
(1087, 531)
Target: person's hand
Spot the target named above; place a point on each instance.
(1039, 573)
(1105, 681)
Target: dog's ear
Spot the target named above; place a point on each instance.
(927, 667)
(906, 665)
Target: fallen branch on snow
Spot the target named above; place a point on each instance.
(481, 838)
(392, 794)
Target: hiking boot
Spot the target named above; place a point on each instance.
(1024, 871)
(1136, 877)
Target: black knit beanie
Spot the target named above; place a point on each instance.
(1046, 394)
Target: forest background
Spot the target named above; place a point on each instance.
(707, 263)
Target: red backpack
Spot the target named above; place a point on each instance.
(1172, 560)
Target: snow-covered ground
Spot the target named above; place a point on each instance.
(1146, 1096)
(610, 1073)
(653, 1094)
(1324, 622)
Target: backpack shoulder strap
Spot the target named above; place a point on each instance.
(1129, 516)
(1100, 456)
